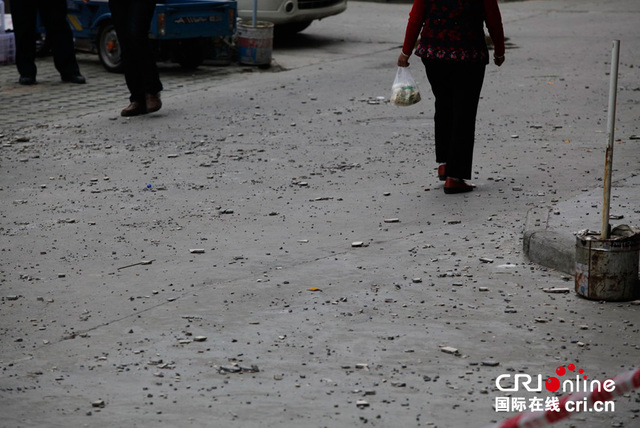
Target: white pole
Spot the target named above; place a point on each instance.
(611, 124)
(2, 17)
(254, 18)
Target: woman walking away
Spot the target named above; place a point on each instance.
(454, 52)
(132, 19)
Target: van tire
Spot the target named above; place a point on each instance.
(109, 48)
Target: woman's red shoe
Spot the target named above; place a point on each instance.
(442, 171)
(454, 185)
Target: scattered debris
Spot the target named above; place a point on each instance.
(143, 262)
(98, 403)
(556, 290)
(362, 403)
(238, 369)
(450, 350)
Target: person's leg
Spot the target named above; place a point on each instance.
(23, 14)
(124, 26)
(465, 96)
(53, 14)
(120, 15)
(143, 13)
(439, 78)
(132, 19)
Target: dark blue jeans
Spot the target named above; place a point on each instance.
(132, 19)
(456, 86)
(53, 15)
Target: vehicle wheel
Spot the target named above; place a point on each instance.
(109, 49)
(190, 53)
(291, 28)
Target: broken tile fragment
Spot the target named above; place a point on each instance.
(450, 350)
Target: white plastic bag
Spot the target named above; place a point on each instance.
(405, 91)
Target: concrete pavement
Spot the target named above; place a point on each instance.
(302, 266)
(549, 237)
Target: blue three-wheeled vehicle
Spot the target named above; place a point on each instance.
(183, 31)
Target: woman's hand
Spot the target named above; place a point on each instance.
(403, 60)
(498, 60)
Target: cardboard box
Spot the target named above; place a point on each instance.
(7, 49)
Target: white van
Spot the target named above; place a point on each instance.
(290, 16)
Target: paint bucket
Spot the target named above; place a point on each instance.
(255, 43)
(607, 269)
